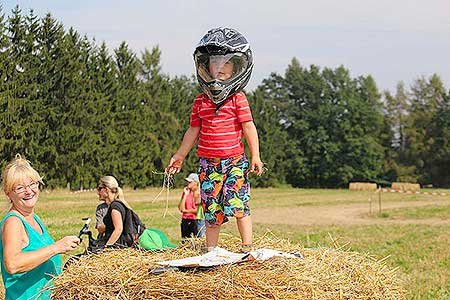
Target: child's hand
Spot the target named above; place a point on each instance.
(175, 164)
(257, 166)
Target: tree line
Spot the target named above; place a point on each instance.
(78, 111)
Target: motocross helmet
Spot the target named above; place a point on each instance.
(224, 63)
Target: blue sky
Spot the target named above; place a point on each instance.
(391, 40)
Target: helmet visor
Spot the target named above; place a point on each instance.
(224, 67)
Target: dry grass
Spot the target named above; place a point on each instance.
(324, 273)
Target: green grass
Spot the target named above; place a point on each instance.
(421, 252)
(418, 213)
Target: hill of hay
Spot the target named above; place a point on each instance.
(324, 273)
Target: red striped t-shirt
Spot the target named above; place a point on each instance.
(221, 130)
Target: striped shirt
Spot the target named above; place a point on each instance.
(220, 130)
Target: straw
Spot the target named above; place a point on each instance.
(167, 184)
(324, 273)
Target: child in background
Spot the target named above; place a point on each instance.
(220, 117)
(190, 199)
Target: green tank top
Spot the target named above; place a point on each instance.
(32, 284)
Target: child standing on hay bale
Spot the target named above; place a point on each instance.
(220, 116)
(188, 206)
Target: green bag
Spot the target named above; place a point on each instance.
(154, 239)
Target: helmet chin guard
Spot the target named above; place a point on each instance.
(224, 63)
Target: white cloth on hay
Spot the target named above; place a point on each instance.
(219, 256)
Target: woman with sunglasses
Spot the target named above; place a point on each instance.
(29, 256)
(114, 221)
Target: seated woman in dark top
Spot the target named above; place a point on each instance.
(116, 216)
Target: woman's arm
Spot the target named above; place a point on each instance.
(116, 217)
(15, 238)
(101, 228)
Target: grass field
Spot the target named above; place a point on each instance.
(411, 229)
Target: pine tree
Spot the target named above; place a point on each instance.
(19, 87)
(127, 108)
(5, 96)
(102, 73)
(12, 92)
(50, 84)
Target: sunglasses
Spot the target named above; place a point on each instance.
(101, 187)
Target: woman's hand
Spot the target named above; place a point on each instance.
(67, 243)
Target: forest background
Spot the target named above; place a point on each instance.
(78, 111)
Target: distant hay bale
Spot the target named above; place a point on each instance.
(324, 273)
(362, 186)
(405, 186)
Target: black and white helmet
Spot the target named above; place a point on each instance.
(224, 63)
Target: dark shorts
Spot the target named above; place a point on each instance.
(225, 190)
(188, 228)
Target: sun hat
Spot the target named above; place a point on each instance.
(192, 177)
(153, 239)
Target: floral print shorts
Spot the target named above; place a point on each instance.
(224, 188)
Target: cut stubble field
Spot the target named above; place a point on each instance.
(412, 230)
(346, 214)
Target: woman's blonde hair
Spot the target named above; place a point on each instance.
(17, 171)
(111, 183)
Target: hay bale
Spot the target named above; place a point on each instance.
(362, 186)
(405, 186)
(324, 273)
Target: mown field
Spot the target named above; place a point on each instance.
(411, 230)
